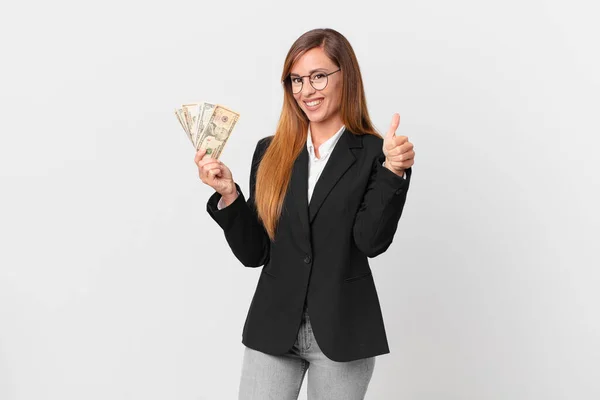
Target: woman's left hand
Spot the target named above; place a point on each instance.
(398, 151)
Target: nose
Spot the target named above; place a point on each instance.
(307, 88)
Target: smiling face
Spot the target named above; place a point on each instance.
(320, 106)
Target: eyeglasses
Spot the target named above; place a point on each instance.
(318, 80)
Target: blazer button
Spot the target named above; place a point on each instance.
(307, 259)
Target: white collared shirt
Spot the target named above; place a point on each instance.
(315, 165)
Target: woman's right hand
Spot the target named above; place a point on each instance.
(216, 175)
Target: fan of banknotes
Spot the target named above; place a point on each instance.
(208, 126)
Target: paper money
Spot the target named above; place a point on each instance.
(181, 119)
(207, 125)
(192, 113)
(206, 112)
(217, 131)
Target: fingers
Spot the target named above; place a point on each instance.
(400, 140)
(401, 157)
(404, 160)
(208, 173)
(395, 141)
(209, 164)
(393, 126)
(397, 149)
(208, 167)
(402, 147)
(206, 161)
(210, 170)
(199, 154)
(398, 165)
(214, 172)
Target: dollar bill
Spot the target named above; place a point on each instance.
(180, 118)
(182, 121)
(217, 131)
(192, 114)
(206, 112)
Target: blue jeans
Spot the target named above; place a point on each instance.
(267, 377)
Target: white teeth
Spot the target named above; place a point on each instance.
(314, 103)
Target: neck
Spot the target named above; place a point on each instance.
(321, 131)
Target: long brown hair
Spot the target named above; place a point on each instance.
(275, 171)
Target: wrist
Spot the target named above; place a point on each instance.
(388, 165)
(230, 196)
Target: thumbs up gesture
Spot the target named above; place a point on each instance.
(398, 151)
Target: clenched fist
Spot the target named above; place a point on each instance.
(216, 175)
(399, 153)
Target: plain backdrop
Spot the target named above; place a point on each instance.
(116, 284)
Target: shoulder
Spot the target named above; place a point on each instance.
(372, 145)
(261, 148)
(264, 142)
(371, 141)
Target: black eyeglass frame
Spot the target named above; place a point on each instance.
(289, 80)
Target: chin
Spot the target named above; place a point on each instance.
(319, 117)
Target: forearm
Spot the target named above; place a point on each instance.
(243, 231)
(374, 230)
(377, 218)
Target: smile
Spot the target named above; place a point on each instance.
(313, 103)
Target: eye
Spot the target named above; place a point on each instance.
(318, 76)
(296, 80)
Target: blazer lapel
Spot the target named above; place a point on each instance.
(299, 186)
(340, 159)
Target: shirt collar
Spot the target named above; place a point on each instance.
(326, 146)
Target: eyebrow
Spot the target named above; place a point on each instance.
(310, 72)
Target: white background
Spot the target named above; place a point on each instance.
(116, 284)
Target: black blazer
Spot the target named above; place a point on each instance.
(320, 250)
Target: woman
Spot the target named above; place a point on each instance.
(326, 192)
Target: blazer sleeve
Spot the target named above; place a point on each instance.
(243, 231)
(378, 215)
